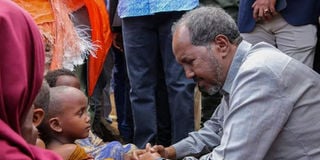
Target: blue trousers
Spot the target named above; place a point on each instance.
(121, 88)
(161, 96)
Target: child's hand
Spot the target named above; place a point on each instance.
(151, 153)
(89, 157)
(134, 155)
(149, 156)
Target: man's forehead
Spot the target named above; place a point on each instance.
(181, 36)
(182, 32)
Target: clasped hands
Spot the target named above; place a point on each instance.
(149, 153)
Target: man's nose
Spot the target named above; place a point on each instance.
(189, 72)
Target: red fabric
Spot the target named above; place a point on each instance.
(101, 34)
(21, 74)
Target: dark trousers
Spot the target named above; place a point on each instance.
(147, 43)
(100, 104)
(121, 88)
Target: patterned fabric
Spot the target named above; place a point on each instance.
(94, 146)
(149, 7)
(78, 153)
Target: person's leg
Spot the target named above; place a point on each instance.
(163, 111)
(261, 33)
(121, 96)
(140, 44)
(180, 89)
(100, 102)
(107, 69)
(298, 42)
(100, 99)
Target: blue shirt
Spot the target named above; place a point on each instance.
(270, 110)
(134, 8)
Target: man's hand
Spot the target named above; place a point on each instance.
(168, 152)
(117, 41)
(160, 149)
(263, 10)
(148, 153)
(152, 153)
(134, 155)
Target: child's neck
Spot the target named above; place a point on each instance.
(59, 141)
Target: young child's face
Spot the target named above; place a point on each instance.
(75, 120)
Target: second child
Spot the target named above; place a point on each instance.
(66, 120)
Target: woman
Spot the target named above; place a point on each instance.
(21, 74)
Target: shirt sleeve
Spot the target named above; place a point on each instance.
(204, 140)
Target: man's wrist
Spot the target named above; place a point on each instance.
(170, 152)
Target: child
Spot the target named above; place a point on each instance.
(66, 120)
(93, 144)
(65, 77)
(41, 104)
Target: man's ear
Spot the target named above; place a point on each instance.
(55, 124)
(38, 115)
(222, 43)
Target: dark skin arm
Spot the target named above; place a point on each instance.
(117, 41)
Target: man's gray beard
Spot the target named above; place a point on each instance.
(215, 88)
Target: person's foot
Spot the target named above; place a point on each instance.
(102, 128)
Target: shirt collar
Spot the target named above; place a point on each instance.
(238, 58)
